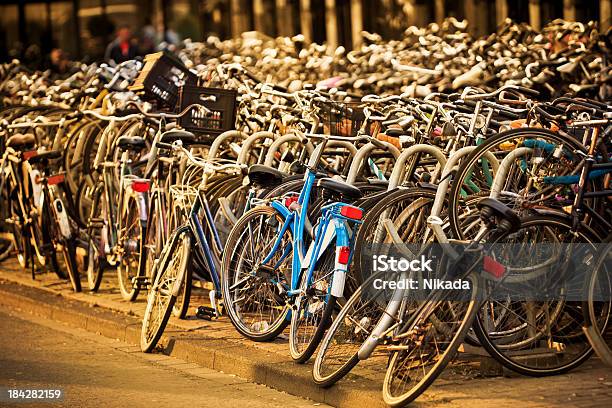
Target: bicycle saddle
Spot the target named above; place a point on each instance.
(172, 136)
(131, 143)
(50, 155)
(265, 176)
(21, 140)
(395, 132)
(509, 221)
(346, 190)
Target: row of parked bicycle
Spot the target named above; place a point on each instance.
(562, 57)
(280, 200)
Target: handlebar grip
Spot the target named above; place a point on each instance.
(161, 145)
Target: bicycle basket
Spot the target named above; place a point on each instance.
(161, 77)
(183, 195)
(221, 102)
(341, 119)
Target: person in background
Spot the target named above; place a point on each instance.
(121, 49)
(59, 63)
(33, 57)
(148, 38)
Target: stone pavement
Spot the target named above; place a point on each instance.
(218, 346)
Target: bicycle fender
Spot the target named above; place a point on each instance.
(328, 235)
(340, 269)
(278, 206)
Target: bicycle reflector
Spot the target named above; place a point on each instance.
(343, 254)
(140, 186)
(354, 213)
(494, 268)
(290, 200)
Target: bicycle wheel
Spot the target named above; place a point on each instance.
(51, 233)
(429, 343)
(313, 309)
(35, 224)
(533, 336)
(407, 208)
(155, 236)
(551, 154)
(181, 306)
(162, 295)
(254, 293)
(178, 216)
(131, 234)
(21, 240)
(598, 306)
(68, 250)
(337, 354)
(97, 241)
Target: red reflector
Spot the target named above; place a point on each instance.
(29, 154)
(140, 186)
(492, 267)
(290, 200)
(351, 212)
(343, 255)
(55, 179)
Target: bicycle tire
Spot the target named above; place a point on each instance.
(132, 229)
(512, 360)
(258, 330)
(448, 354)
(303, 355)
(466, 165)
(178, 247)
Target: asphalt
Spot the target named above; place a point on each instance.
(475, 380)
(93, 371)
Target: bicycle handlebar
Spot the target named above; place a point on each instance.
(177, 146)
(370, 139)
(142, 114)
(480, 96)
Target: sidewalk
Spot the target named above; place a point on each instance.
(218, 346)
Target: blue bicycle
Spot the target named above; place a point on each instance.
(270, 279)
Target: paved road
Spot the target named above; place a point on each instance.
(99, 372)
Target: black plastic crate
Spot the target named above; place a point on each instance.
(221, 102)
(161, 78)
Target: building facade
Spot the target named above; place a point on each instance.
(83, 27)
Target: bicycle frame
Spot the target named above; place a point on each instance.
(194, 226)
(295, 218)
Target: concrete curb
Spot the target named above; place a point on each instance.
(250, 363)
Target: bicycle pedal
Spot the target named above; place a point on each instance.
(140, 282)
(205, 312)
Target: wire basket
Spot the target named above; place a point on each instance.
(341, 118)
(183, 196)
(220, 102)
(161, 78)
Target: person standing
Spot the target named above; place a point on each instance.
(121, 48)
(148, 38)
